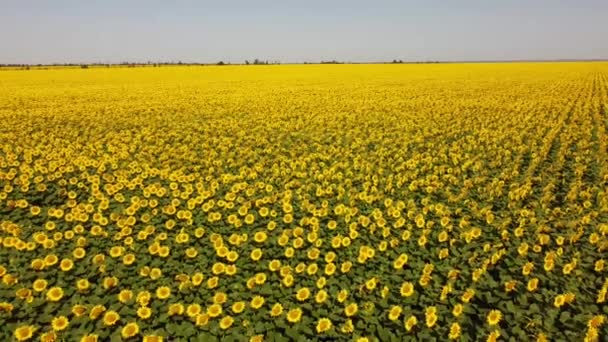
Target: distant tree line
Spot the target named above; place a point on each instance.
(256, 61)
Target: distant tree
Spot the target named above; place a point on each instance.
(256, 61)
(84, 66)
(246, 62)
(220, 63)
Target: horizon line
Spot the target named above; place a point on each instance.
(276, 62)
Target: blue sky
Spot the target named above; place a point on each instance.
(296, 31)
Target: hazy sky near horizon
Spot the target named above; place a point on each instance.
(112, 31)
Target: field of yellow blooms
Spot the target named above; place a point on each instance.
(315, 202)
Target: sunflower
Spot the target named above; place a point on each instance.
(143, 298)
(213, 282)
(152, 338)
(559, 301)
(346, 266)
(39, 285)
(110, 282)
(24, 333)
(302, 294)
(197, 278)
(257, 338)
(214, 310)
(130, 330)
(201, 319)
(193, 309)
(54, 294)
(144, 312)
(163, 292)
(220, 298)
(430, 316)
(238, 307)
(532, 284)
(260, 237)
(494, 317)
(394, 313)
(79, 310)
(218, 268)
(494, 335)
(256, 254)
(226, 322)
(155, 273)
(175, 309)
(407, 289)
(110, 318)
(257, 302)
(49, 336)
(128, 259)
(125, 295)
(323, 325)
(454, 331)
(321, 296)
(370, 284)
(410, 323)
(277, 310)
(294, 315)
(60, 323)
(260, 278)
(96, 311)
(79, 253)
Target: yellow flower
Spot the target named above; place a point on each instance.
(24, 332)
(494, 335)
(256, 254)
(407, 289)
(302, 294)
(257, 302)
(559, 301)
(410, 322)
(60, 323)
(323, 325)
(125, 296)
(89, 338)
(39, 285)
(152, 338)
(176, 309)
(257, 338)
(163, 292)
(494, 317)
(454, 331)
(79, 310)
(144, 312)
(130, 330)
(394, 313)
(294, 315)
(66, 265)
(82, 284)
(226, 322)
(193, 309)
(431, 316)
(54, 294)
(457, 310)
(214, 310)
(96, 311)
(532, 284)
(238, 307)
(351, 309)
(110, 318)
(49, 336)
(277, 310)
(321, 296)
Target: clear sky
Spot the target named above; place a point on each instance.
(81, 31)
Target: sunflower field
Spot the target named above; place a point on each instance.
(464, 202)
